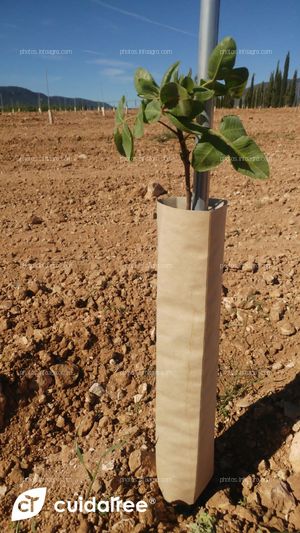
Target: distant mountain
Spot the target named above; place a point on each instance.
(23, 98)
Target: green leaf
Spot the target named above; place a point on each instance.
(222, 57)
(232, 128)
(118, 142)
(188, 84)
(169, 94)
(138, 130)
(202, 94)
(187, 108)
(169, 73)
(186, 125)
(218, 88)
(236, 81)
(145, 84)
(153, 111)
(120, 111)
(127, 141)
(246, 157)
(205, 157)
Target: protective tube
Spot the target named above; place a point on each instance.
(190, 258)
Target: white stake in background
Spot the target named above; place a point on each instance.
(49, 108)
(208, 38)
(39, 103)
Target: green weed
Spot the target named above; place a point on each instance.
(205, 523)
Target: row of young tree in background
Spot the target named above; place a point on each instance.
(279, 91)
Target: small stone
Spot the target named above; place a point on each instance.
(270, 278)
(60, 422)
(294, 483)
(85, 424)
(294, 455)
(220, 501)
(135, 460)
(283, 474)
(142, 389)
(153, 334)
(44, 381)
(296, 427)
(247, 485)
(249, 266)
(286, 328)
(97, 390)
(262, 467)
(245, 514)
(277, 311)
(243, 403)
(242, 316)
(277, 366)
(82, 156)
(3, 490)
(34, 219)
(154, 190)
(107, 467)
(137, 398)
(4, 324)
(65, 375)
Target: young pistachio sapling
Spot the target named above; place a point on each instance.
(181, 101)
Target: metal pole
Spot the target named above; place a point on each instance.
(208, 38)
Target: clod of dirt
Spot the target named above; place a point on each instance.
(97, 390)
(154, 190)
(275, 495)
(287, 329)
(65, 375)
(294, 456)
(35, 219)
(85, 424)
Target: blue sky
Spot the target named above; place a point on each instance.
(97, 32)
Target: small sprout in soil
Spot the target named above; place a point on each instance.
(92, 475)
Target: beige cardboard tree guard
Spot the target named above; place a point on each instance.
(190, 257)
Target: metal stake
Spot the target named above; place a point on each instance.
(208, 38)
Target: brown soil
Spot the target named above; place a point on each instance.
(78, 288)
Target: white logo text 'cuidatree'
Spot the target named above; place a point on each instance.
(112, 505)
(29, 504)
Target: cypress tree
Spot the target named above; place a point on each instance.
(262, 94)
(277, 87)
(269, 91)
(285, 78)
(291, 96)
(250, 99)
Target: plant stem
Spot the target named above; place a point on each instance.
(184, 154)
(169, 128)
